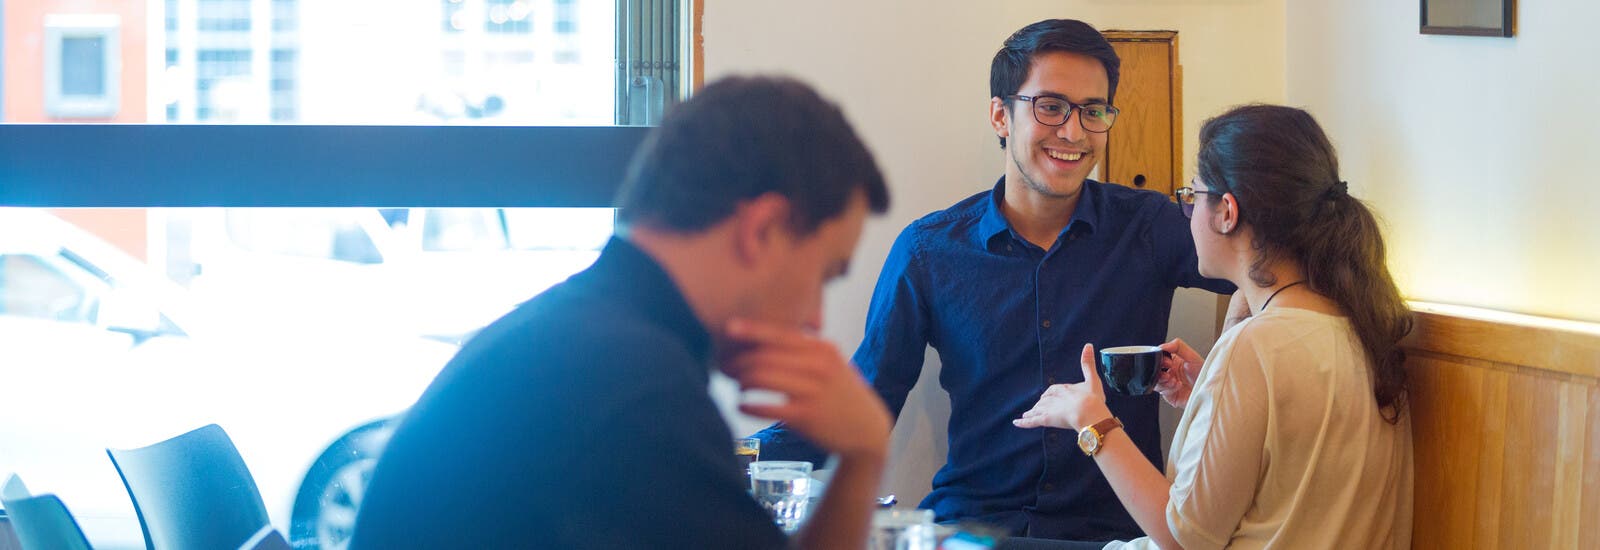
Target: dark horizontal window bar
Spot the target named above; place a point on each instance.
(109, 165)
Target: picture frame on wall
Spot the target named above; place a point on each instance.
(1469, 17)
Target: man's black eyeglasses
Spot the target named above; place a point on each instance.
(1054, 111)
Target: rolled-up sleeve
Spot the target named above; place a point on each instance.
(890, 356)
(1217, 471)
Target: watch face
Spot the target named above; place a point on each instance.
(1087, 441)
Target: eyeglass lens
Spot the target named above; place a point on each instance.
(1186, 198)
(1055, 111)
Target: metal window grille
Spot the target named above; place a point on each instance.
(650, 62)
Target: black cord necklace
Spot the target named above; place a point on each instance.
(1275, 293)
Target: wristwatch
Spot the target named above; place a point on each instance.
(1089, 438)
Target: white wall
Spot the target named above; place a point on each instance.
(1478, 152)
(913, 78)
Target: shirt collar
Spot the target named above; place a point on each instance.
(630, 276)
(1085, 216)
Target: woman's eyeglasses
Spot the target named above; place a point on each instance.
(1186, 198)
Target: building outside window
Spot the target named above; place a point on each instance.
(221, 85)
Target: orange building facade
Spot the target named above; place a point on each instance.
(25, 69)
(25, 96)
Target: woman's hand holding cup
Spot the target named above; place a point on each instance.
(1180, 366)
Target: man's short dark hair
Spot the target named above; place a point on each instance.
(742, 137)
(1011, 64)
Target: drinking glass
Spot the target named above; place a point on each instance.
(747, 449)
(902, 529)
(782, 487)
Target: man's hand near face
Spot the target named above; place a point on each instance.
(829, 403)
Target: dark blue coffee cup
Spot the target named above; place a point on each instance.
(1131, 370)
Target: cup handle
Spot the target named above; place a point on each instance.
(1169, 355)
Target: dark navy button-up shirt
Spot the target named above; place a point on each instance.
(580, 420)
(1009, 319)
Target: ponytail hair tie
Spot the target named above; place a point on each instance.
(1337, 191)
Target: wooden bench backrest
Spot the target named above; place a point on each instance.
(1507, 431)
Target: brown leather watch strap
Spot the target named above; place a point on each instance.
(1104, 427)
(1092, 438)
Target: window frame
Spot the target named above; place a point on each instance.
(194, 165)
(58, 28)
(135, 166)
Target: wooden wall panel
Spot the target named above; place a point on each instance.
(1590, 530)
(1434, 439)
(1507, 435)
(1525, 511)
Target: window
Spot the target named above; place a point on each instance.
(284, 99)
(393, 185)
(82, 65)
(346, 314)
(509, 16)
(417, 62)
(171, 16)
(223, 86)
(455, 16)
(285, 18)
(171, 66)
(566, 17)
(224, 15)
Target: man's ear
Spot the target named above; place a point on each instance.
(997, 117)
(759, 225)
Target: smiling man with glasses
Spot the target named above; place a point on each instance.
(1009, 284)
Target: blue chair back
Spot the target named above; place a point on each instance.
(192, 492)
(41, 522)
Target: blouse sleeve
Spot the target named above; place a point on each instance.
(1219, 466)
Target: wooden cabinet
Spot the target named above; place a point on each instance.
(1145, 147)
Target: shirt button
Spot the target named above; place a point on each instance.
(1050, 380)
(1046, 323)
(1051, 438)
(1049, 486)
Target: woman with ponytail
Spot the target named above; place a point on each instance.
(1294, 431)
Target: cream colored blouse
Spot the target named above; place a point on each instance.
(1282, 444)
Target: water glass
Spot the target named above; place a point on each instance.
(783, 488)
(902, 529)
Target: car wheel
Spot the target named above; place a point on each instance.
(324, 514)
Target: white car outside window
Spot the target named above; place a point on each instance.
(97, 351)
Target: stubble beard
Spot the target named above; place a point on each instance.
(1033, 183)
